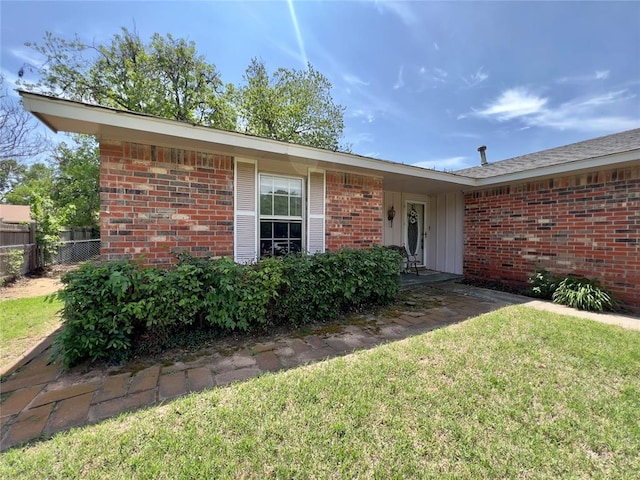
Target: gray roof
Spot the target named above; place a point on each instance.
(596, 147)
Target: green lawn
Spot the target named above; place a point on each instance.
(517, 393)
(23, 323)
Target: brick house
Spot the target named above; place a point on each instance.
(167, 186)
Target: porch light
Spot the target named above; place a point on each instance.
(391, 215)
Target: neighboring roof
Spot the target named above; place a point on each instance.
(15, 213)
(596, 147)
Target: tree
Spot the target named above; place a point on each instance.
(18, 139)
(165, 77)
(77, 182)
(293, 106)
(37, 179)
(11, 175)
(69, 186)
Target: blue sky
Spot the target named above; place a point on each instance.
(422, 82)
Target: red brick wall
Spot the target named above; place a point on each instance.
(585, 224)
(353, 211)
(155, 201)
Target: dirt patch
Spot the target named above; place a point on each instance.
(44, 283)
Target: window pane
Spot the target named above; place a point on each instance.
(266, 205)
(280, 205)
(295, 188)
(281, 186)
(266, 184)
(295, 246)
(296, 207)
(296, 230)
(266, 230)
(281, 230)
(266, 248)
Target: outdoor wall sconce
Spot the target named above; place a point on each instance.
(391, 215)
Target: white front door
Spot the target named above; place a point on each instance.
(414, 233)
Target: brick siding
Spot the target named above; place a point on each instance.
(156, 201)
(586, 224)
(353, 211)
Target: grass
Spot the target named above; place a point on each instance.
(25, 321)
(517, 393)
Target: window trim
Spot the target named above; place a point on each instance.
(302, 218)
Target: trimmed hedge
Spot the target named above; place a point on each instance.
(108, 306)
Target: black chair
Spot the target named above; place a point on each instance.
(409, 260)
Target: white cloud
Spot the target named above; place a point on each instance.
(513, 103)
(358, 139)
(365, 115)
(463, 135)
(595, 113)
(27, 56)
(431, 77)
(402, 10)
(436, 46)
(449, 163)
(588, 114)
(589, 77)
(354, 80)
(400, 82)
(475, 78)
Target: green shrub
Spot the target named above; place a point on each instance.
(323, 286)
(13, 266)
(543, 284)
(97, 313)
(583, 294)
(110, 307)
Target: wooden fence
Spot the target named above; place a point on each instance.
(17, 233)
(18, 241)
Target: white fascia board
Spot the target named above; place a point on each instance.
(562, 169)
(80, 115)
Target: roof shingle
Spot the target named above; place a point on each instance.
(596, 147)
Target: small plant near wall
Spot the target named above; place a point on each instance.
(583, 294)
(543, 284)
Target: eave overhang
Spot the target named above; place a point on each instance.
(105, 123)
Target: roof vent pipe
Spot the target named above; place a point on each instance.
(483, 156)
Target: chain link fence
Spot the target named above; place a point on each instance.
(16, 260)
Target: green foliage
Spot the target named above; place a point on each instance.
(13, 265)
(167, 77)
(543, 284)
(583, 294)
(11, 175)
(70, 183)
(164, 77)
(76, 186)
(325, 286)
(293, 106)
(109, 307)
(48, 226)
(38, 179)
(97, 316)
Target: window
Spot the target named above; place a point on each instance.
(280, 215)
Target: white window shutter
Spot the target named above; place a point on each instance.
(316, 208)
(245, 241)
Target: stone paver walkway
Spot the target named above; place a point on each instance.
(39, 398)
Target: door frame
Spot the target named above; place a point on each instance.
(423, 227)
